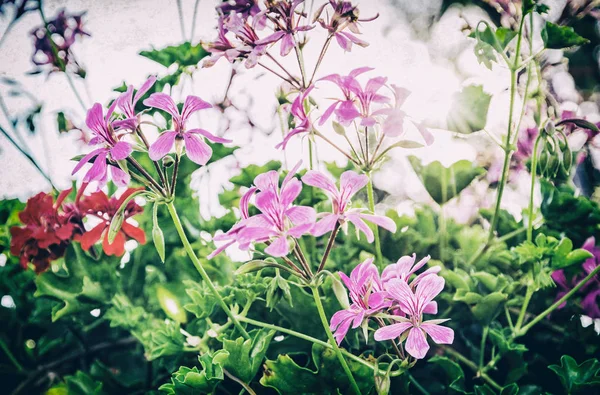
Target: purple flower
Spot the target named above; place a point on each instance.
(113, 149)
(350, 183)
(357, 102)
(591, 290)
(303, 122)
(345, 16)
(279, 218)
(195, 146)
(126, 103)
(365, 287)
(413, 304)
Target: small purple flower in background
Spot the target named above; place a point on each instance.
(345, 16)
(350, 183)
(413, 304)
(303, 122)
(357, 102)
(127, 102)
(279, 218)
(591, 290)
(53, 42)
(104, 133)
(393, 125)
(364, 286)
(195, 146)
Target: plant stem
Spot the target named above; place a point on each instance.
(321, 56)
(472, 366)
(560, 301)
(416, 384)
(332, 341)
(484, 335)
(10, 356)
(442, 217)
(310, 154)
(181, 23)
(192, 255)
(175, 171)
(145, 174)
(534, 158)
(161, 174)
(329, 246)
(277, 74)
(371, 197)
(75, 91)
(350, 158)
(521, 318)
(240, 382)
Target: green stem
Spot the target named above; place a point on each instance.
(534, 158)
(558, 302)
(371, 197)
(332, 341)
(75, 91)
(471, 365)
(310, 154)
(442, 217)
(192, 255)
(521, 318)
(329, 246)
(484, 335)
(10, 356)
(416, 384)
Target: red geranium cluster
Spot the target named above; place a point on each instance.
(49, 227)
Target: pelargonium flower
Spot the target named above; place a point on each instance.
(395, 118)
(127, 102)
(195, 146)
(591, 290)
(303, 122)
(350, 183)
(284, 13)
(47, 232)
(345, 16)
(99, 206)
(278, 220)
(365, 287)
(358, 102)
(413, 304)
(113, 149)
(57, 53)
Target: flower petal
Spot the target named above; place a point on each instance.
(361, 226)
(439, 334)
(319, 180)
(325, 224)
(134, 232)
(162, 101)
(416, 343)
(392, 331)
(121, 150)
(197, 150)
(119, 177)
(86, 159)
(209, 136)
(279, 247)
(380, 220)
(89, 238)
(143, 89)
(301, 215)
(191, 105)
(351, 182)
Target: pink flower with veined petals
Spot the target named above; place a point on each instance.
(413, 304)
(195, 146)
(365, 287)
(350, 183)
(303, 122)
(358, 101)
(345, 15)
(127, 102)
(279, 217)
(104, 133)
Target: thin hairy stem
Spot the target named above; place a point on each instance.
(329, 246)
(371, 197)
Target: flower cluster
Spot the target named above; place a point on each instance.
(247, 28)
(52, 42)
(590, 290)
(49, 227)
(280, 220)
(398, 293)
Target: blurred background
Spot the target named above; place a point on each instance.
(422, 46)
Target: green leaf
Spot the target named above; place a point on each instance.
(576, 377)
(468, 110)
(502, 338)
(559, 37)
(186, 381)
(488, 308)
(246, 356)
(203, 301)
(79, 384)
(286, 377)
(455, 178)
(184, 54)
(580, 123)
(249, 173)
(454, 373)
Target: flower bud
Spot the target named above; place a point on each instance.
(168, 161)
(115, 226)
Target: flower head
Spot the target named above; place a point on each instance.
(127, 102)
(47, 231)
(195, 146)
(350, 183)
(345, 16)
(112, 148)
(278, 220)
(303, 122)
(102, 208)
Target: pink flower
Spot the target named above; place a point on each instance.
(358, 101)
(127, 102)
(278, 220)
(345, 15)
(113, 149)
(350, 183)
(195, 146)
(303, 123)
(414, 304)
(365, 289)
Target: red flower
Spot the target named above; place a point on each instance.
(47, 232)
(104, 208)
